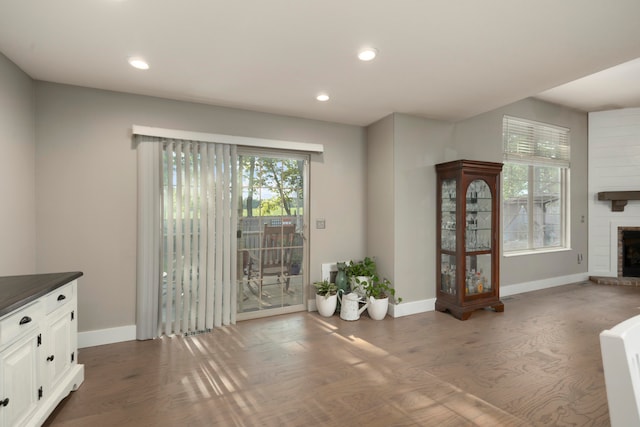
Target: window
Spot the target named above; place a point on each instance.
(534, 186)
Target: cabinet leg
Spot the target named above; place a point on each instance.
(440, 307)
(498, 307)
(465, 315)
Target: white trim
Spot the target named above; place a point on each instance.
(534, 252)
(413, 307)
(538, 285)
(106, 336)
(228, 139)
(327, 268)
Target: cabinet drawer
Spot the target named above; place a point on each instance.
(21, 321)
(60, 297)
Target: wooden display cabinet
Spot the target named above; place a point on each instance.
(468, 213)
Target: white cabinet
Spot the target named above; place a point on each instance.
(38, 357)
(20, 381)
(59, 353)
(59, 337)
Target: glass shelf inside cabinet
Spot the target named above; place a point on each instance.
(448, 215)
(448, 274)
(478, 274)
(478, 220)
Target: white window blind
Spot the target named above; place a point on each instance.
(535, 143)
(187, 236)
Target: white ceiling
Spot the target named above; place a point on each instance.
(442, 59)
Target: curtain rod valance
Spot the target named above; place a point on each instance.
(227, 139)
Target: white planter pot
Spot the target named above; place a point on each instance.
(377, 308)
(326, 305)
(358, 288)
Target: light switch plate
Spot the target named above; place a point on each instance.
(320, 223)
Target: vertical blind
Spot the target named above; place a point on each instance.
(198, 245)
(187, 225)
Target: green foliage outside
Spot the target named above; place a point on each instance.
(280, 179)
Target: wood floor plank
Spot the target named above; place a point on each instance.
(536, 364)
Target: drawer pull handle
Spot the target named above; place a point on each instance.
(25, 320)
(4, 402)
(61, 297)
(50, 358)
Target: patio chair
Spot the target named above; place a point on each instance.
(274, 257)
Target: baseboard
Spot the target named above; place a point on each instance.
(106, 336)
(415, 307)
(412, 307)
(128, 333)
(537, 285)
(311, 305)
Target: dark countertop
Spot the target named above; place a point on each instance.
(16, 291)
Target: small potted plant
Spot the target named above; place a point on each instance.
(359, 274)
(326, 298)
(378, 292)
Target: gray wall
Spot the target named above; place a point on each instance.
(17, 171)
(480, 138)
(380, 197)
(403, 151)
(419, 145)
(86, 186)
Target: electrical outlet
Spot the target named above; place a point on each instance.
(579, 258)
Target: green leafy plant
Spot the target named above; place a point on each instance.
(325, 288)
(380, 288)
(365, 267)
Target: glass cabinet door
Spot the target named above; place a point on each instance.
(448, 237)
(478, 238)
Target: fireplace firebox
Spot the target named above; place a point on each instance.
(630, 242)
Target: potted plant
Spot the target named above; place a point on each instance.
(377, 293)
(326, 298)
(359, 274)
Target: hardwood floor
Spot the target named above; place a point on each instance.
(536, 364)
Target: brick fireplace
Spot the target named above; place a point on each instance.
(628, 251)
(628, 259)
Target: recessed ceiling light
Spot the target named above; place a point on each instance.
(367, 54)
(139, 63)
(322, 97)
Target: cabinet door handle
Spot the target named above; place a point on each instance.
(50, 358)
(61, 297)
(25, 320)
(4, 402)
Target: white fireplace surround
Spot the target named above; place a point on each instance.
(613, 156)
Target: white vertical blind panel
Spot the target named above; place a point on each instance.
(226, 218)
(170, 253)
(211, 235)
(188, 235)
(149, 241)
(233, 233)
(179, 240)
(204, 231)
(218, 238)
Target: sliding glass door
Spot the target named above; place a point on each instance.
(272, 243)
